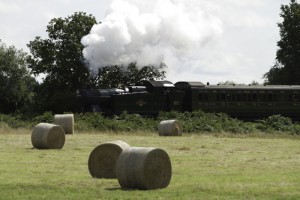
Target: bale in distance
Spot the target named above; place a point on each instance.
(66, 121)
(144, 168)
(169, 128)
(48, 136)
(102, 160)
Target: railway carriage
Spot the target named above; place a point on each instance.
(151, 97)
(242, 101)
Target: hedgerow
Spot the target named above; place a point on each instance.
(192, 122)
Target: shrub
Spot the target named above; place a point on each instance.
(275, 123)
(47, 117)
(192, 122)
(12, 121)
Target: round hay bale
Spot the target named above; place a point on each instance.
(48, 136)
(66, 121)
(169, 128)
(144, 168)
(102, 160)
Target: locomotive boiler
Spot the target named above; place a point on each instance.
(145, 98)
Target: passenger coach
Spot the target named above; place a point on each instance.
(242, 101)
(151, 97)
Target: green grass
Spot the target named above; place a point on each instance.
(204, 167)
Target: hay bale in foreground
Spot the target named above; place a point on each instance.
(144, 168)
(103, 159)
(48, 136)
(66, 121)
(169, 128)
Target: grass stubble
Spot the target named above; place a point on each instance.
(203, 167)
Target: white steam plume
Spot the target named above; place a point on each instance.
(151, 32)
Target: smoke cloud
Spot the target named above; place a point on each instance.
(150, 32)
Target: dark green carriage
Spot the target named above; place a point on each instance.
(152, 97)
(242, 101)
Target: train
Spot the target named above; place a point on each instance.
(148, 97)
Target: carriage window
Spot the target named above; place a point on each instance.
(233, 97)
(200, 96)
(290, 97)
(218, 97)
(265, 97)
(270, 97)
(282, 96)
(223, 97)
(275, 97)
(244, 97)
(239, 97)
(294, 97)
(254, 97)
(205, 96)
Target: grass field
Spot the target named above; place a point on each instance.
(204, 167)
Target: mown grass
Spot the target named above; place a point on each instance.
(204, 167)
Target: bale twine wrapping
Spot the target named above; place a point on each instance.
(102, 160)
(144, 168)
(169, 128)
(48, 136)
(66, 121)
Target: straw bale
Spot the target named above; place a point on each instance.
(169, 128)
(66, 121)
(102, 160)
(48, 136)
(144, 168)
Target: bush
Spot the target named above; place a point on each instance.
(12, 121)
(192, 122)
(278, 123)
(200, 121)
(47, 117)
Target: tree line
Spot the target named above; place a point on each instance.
(59, 59)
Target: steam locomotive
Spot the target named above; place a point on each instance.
(152, 97)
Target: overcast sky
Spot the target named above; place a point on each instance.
(199, 40)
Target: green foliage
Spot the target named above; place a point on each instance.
(60, 58)
(16, 84)
(114, 76)
(135, 122)
(200, 121)
(123, 122)
(12, 121)
(24, 121)
(277, 123)
(192, 122)
(90, 121)
(286, 69)
(47, 117)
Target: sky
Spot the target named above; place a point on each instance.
(199, 40)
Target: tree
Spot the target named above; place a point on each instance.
(287, 67)
(119, 75)
(60, 58)
(16, 83)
